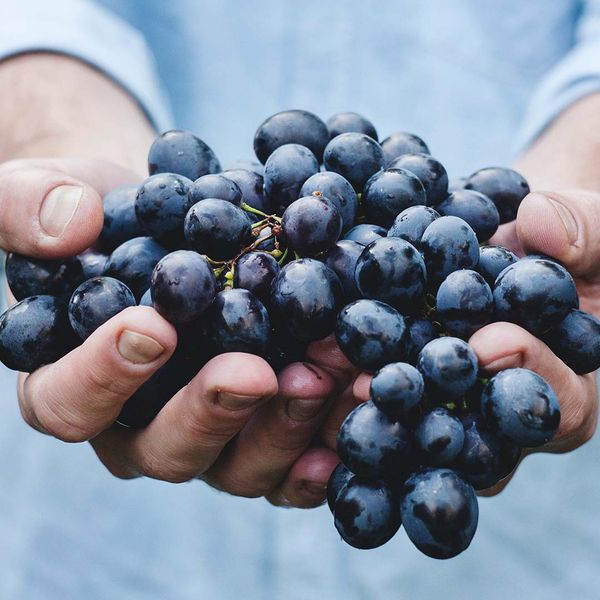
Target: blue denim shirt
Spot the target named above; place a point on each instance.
(477, 79)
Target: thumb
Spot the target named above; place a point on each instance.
(53, 208)
(564, 225)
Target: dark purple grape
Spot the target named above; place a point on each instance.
(401, 142)
(255, 272)
(284, 349)
(430, 171)
(365, 233)
(183, 286)
(396, 389)
(339, 477)
(504, 187)
(388, 193)
(464, 303)
(92, 263)
(215, 186)
(392, 270)
(522, 406)
(439, 511)
(535, 294)
(492, 261)
(251, 185)
(411, 223)
(161, 204)
(342, 259)
(440, 436)
(576, 341)
(420, 332)
(449, 368)
(34, 276)
(311, 225)
(371, 334)
(366, 513)
(305, 298)
(348, 122)
(246, 165)
(474, 208)
(286, 170)
(96, 301)
(120, 221)
(291, 127)
(133, 262)
(448, 244)
(217, 228)
(337, 190)
(237, 321)
(35, 332)
(183, 153)
(371, 444)
(355, 156)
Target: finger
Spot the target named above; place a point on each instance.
(505, 345)
(259, 458)
(81, 394)
(189, 433)
(51, 208)
(326, 354)
(305, 486)
(506, 236)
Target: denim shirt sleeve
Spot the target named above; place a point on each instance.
(576, 75)
(82, 29)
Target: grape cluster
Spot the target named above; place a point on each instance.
(334, 233)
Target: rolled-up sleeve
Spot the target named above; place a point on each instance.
(82, 29)
(574, 76)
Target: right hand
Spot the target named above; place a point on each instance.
(236, 424)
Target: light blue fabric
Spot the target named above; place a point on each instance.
(462, 74)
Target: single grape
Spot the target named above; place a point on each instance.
(215, 186)
(251, 185)
(401, 142)
(120, 221)
(474, 208)
(183, 153)
(420, 332)
(286, 170)
(161, 204)
(392, 270)
(284, 349)
(439, 511)
(411, 223)
(448, 244)
(337, 190)
(535, 294)
(366, 513)
(35, 332)
(255, 271)
(246, 165)
(217, 228)
(305, 299)
(522, 406)
(183, 286)
(133, 262)
(365, 233)
(430, 171)
(492, 261)
(93, 263)
(339, 477)
(440, 436)
(576, 341)
(96, 301)
(341, 259)
(464, 303)
(291, 127)
(504, 187)
(346, 122)
(396, 389)
(388, 193)
(355, 156)
(449, 368)
(371, 334)
(311, 225)
(371, 444)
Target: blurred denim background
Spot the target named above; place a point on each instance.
(477, 80)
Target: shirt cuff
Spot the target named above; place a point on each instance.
(84, 30)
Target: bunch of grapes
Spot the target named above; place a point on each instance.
(336, 234)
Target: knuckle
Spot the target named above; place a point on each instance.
(156, 468)
(231, 483)
(62, 424)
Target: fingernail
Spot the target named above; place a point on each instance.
(315, 488)
(236, 401)
(58, 208)
(303, 409)
(138, 348)
(511, 361)
(567, 218)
